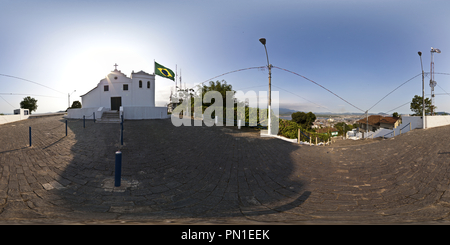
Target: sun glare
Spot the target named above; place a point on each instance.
(87, 68)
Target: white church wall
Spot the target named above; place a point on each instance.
(138, 102)
(143, 96)
(92, 98)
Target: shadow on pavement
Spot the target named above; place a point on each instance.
(178, 172)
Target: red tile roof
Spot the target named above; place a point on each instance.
(389, 120)
(375, 120)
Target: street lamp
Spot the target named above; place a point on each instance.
(263, 41)
(423, 92)
(68, 98)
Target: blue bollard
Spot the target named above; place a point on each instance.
(121, 133)
(66, 127)
(84, 119)
(118, 169)
(30, 135)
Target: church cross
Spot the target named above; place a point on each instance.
(115, 65)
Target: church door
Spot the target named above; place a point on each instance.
(116, 103)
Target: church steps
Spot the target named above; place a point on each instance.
(110, 117)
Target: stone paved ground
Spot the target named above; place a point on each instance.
(217, 175)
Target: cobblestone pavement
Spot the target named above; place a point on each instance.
(217, 175)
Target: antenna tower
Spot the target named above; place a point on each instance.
(433, 83)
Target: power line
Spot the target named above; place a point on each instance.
(303, 98)
(398, 107)
(31, 95)
(32, 82)
(443, 90)
(7, 102)
(319, 86)
(394, 90)
(259, 67)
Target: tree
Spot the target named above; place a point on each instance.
(416, 106)
(395, 114)
(304, 119)
(76, 104)
(342, 127)
(29, 103)
(221, 87)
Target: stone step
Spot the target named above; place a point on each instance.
(110, 117)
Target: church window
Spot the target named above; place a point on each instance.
(125, 87)
(148, 84)
(106, 88)
(140, 84)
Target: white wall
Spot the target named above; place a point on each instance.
(134, 96)
(142, 96)
(129, 112)
(416, 121)
(141, 112)
(88, 112)
(12, 118)
(436, 121)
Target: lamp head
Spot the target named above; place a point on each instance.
(263, 41)
(420, 53)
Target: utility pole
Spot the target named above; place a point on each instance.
(423, 92)
(68, 98)
(367, 124)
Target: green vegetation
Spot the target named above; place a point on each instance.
(288, 128)
(304, 119)
(76, 104)
(416, 106)
(29, 103)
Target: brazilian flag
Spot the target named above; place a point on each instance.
(164, 72)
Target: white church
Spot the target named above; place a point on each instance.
(117, 95)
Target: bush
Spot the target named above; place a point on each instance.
(288, 128)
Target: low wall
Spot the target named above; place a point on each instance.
(436, 121)
(416, 121)
(130, 113)
(78, 113)
(144, 112)
(12, 118)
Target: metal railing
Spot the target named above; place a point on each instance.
(400, 130)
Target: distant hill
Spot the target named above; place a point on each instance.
(285, 111)
(288, 112)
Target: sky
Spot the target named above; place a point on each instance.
(359, 50)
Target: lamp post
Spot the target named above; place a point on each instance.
(423, 92)
(68, 98)
(269, 128)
